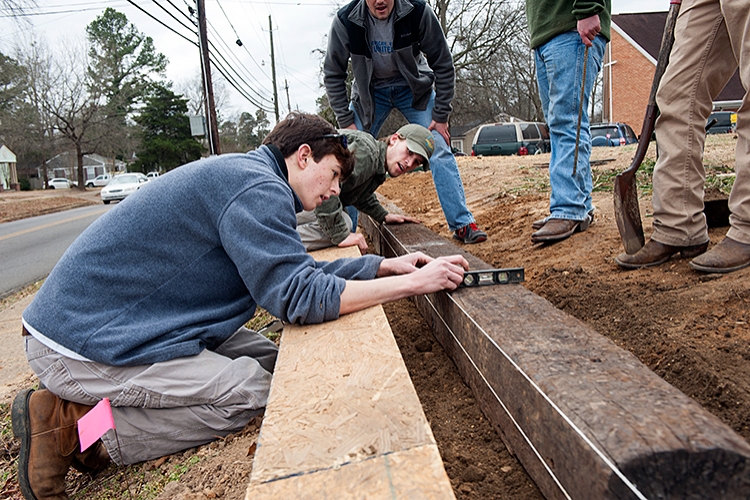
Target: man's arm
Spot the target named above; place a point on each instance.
(405, 276)
(438, 54)
(330, 217)
(587, 13)
(335, 72)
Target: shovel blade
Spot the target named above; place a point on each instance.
(628, 213)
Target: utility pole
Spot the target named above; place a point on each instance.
(213, 127)
(273, 73)
(288, 104)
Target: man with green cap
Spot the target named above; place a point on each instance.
(329, 224)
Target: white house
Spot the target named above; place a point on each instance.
(8, 174)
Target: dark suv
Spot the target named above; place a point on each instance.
(509, 138)
(726, 122)
(612, 134)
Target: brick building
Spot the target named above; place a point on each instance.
(629, 66)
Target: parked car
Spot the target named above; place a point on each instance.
(99, 181)
(60, 183)
(152, 175)
(509, 138)
(457, 152)
(121, 186)
(726, 122)
(612, 134)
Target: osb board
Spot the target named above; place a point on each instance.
(333, 253)
(340, 394)
(410, 474)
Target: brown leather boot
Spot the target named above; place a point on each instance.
(729, 255)
(47, 427)
(654, 253)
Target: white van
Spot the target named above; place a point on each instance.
(152, 175)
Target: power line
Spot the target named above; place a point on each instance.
(160, 22)
(173, 16)
(239, 63)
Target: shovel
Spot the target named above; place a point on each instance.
(627, 212)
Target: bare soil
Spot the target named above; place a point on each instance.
(16, 205)
(690, 328)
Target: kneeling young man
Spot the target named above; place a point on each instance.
(330, 225)
(147, 306)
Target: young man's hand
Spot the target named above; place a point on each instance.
(443, 273)
(401, 277)
(413, 262)
(400, 219)
(355, 239)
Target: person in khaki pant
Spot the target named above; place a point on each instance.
(711, 41)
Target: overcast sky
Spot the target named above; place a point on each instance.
(299, 28)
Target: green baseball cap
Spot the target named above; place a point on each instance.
(419, 140)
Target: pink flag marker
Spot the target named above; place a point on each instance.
(95, 423)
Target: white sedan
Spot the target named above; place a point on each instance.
(121, 186)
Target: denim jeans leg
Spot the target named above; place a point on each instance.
(560, 92)
(448, 184)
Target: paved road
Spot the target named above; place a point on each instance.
(31, 247)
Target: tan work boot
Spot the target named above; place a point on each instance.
(654, 253)
(47, 427)
(729, 255)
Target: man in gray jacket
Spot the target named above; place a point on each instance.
(329, 224)
(400, 59)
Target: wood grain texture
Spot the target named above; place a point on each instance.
(585, 418)
(342, 401)
(412, 474)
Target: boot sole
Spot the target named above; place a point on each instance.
(478, 239)
(21, 422)
(580, 227)
(628, 265)
(722, 270)
(685, 253)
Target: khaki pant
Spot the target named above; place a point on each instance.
(712, 38)
(313, 236)
(170, 406)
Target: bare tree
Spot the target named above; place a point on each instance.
(37, 60)
(192, 90)
(495, 74)
(494, 66)
(17, 8)
(76, 108)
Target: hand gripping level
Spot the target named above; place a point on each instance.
(492, 277)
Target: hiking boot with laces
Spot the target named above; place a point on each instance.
(470, 234)
(48, 429)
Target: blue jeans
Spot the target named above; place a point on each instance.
(559, 83)
(450, 189)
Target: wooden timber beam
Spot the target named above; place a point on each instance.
(343, 419)
(586, 418)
